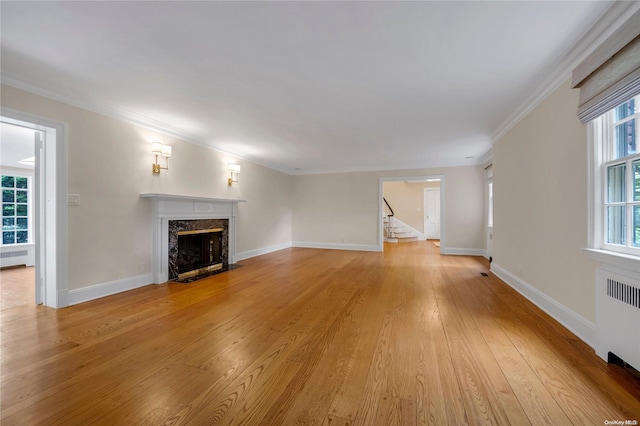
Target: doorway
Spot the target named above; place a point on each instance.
(18, 183)
(418, 210)
(48, 219)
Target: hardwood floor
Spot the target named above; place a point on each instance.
(306, 336)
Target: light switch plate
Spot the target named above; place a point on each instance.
(73, 199)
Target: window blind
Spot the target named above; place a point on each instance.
(611, 74)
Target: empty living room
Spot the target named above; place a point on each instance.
(320, 213)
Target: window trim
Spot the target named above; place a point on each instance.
(628, 204)
(600, 132)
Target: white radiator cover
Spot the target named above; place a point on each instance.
(618, 315)
(23, 254)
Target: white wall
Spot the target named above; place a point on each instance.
(540, 204)
(340, 208)
(344, 208)
(109, 165)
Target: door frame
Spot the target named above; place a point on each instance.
(381, 182)
(51, 233)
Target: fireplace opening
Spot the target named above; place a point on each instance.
(199, 252)
(198, 248)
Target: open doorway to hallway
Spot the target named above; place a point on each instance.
(412, 209)
(18, 185)
(34, 205)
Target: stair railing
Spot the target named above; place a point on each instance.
(389, 225)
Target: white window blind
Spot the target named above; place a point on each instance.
(611, 74)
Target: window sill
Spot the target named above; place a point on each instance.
(618, 260)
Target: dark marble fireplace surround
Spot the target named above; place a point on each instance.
(176, 226)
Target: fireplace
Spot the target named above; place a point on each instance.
(197, 248)
(177, 213)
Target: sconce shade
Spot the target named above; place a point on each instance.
(159, 149)
(234, 171)
(156, 148)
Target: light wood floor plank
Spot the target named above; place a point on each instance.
(487, 394)
(305, 336)
(538, 404)
(439, 398)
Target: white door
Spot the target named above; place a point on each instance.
(432, 213)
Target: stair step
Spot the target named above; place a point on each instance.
(407, 239)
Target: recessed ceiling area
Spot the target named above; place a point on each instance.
(303, 87)
(17, 146)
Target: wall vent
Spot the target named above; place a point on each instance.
(13, 254)
(623, 292)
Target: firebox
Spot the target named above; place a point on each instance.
(197, 248)
(199, 252)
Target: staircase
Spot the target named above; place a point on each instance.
(396, 231)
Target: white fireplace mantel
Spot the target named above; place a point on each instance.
(168, 207)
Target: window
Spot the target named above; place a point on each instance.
(621, 178)
(15, 210)
(488, 173)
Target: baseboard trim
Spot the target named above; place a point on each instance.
(97, 291)
(259, 252)
(461, 251)
(336, 246)
(578, 325)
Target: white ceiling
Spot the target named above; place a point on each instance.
(302, 87)
(16, 144)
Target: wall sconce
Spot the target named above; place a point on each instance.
(159, 149)
(234, 173)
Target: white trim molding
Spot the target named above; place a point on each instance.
(456, 251)
(578, 325)
(260, 251)
(336, 246)
(97, 291)
(619, 261)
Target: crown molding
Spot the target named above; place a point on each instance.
(140, 120)
(487, 158)
(134, 118)
(561, 71)
(419, 167)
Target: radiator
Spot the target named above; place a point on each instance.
(7, 254)
(618, 316)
